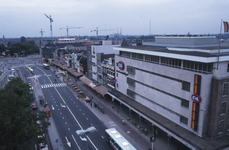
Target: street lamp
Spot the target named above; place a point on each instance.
(85, 132)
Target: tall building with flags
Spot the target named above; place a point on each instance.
(179, 85)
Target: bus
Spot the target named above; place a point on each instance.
(46, 66)
(117, 141)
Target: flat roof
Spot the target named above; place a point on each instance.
(202, 54)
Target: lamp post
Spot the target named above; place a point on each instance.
(85, 132)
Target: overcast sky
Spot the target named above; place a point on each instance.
(26, 17)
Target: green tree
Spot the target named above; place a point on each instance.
(19, 127)
(31, 47)
(23, 39)
(9, 43)
(16, 48)
(2, 48)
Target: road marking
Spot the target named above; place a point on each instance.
(58, 108)
(68, 128)
(79, 109)
(62, 117)
(87, 118)
(65, 122)
(62, 105)
(68, 143)
(53, 107)
(60, 112)
(83, 113)
(102, 137)
(76, 142)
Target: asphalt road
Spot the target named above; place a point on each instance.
(70, 114)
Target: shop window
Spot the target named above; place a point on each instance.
(186, 86)
(223, 108)
(221, 126)
(184, 103)
(225, 89)
(184, 120)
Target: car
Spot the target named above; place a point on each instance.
(34, 106)
(9, 68)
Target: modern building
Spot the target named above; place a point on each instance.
(108, 73)
(179, 85)
(96, 53)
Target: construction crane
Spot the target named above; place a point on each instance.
(97, 31)
(42, 36)
(50, 18)
(71, 28)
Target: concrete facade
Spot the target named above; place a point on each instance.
(162, 80)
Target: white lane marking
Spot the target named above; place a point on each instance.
(60, 112)
(53, 107)
(71, 113)
(68, 128)
(87, 118)
(62, 117)
(68, 143)
(65, 122)
(76, 142)
(102, 137)
(62, 105)
(83, 114)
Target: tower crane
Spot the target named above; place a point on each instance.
(42, 36)
(71, 28)
(50, 18)
(97, 31)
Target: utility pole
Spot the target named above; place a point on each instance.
(50, 18)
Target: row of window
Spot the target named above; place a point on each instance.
(176, 63)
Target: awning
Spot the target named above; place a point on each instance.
(85, 80)
(101, 89)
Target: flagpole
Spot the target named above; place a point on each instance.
(219, 44)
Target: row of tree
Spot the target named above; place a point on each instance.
(21, 48)
(20, 127)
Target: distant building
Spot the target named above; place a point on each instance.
(178, 84)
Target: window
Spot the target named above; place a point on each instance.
(184, 103)
(186, 86)
(223, 108)
(130, 81)
(228, 124)
(225, 89)
(117, 74)
(227, 67)
(183, 120)
(131, 70)
(131, 93)
(221, 126)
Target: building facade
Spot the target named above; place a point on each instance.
(186, 85)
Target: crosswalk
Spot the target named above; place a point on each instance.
(53, 85)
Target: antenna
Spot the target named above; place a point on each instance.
(150, 27)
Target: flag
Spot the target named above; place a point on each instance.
(225, 26)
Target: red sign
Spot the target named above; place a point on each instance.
(196, 98)
(88, 43)
(113, 80)
(120, 65)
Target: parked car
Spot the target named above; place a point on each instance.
(34, 106)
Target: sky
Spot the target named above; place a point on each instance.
(132, 17)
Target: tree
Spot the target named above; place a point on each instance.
(23, 39)
(19, 128)
(31, 47)
(2, 48)
(16, 48)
